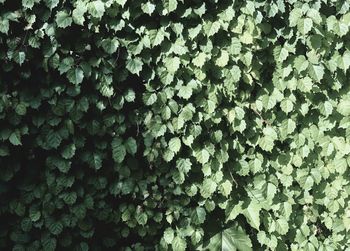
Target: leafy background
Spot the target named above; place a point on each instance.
(174, 125)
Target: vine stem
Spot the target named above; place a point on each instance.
(233, 179)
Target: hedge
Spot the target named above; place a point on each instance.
(174, 125)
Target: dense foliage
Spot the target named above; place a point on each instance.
(174, 125)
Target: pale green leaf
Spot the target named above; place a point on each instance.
(316, 72)
(211, 28)
(172, 64)
(183, 165)
(287, 105)
(295, 16)
(344, 61)
(134, 65)
(223, 59)
(96, 8)
(175, 144)
(252, 213)
(78, 13)
(199, 60)
(185, 92)
(287, 127)
(229, 239)
(169, 6)
(304, 25)
(202, 156)
(282, 226)
(198, 215)
(63, 19)
(168, 235)
(208, 188)
(344, 107)
(148, 8)
(179, 244)
(51, 3)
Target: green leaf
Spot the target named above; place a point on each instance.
(287, 105)
(300, 63)
(168, 155)
(53, 139)
(15, 139)
(21, 56)
(129, 95)
(326, 108)
(149, 98)
(34, 214)
(78, 13)
(208, 188)
(95, 161)
(233, 238)
(233, 210)
(69, 198)
(344, 61)
(344, 107)
(63, 19)
(134, 65)
(172, 64)
(156, 36)
(183, 165)
(68, 151)
(49, 244)
(252, 213)
(222, 61)
(28, 4)
(280, 54)
(211, 28)
(131, 145)
(178, 177)
(21, 109)
(51, 3)
(179, 244)
(168, 235)
(316, 72)
(226, 188)
(118, 150)
(141, 218)
(75, 76)
(266, 143)
(282, 226)
(185, 92)
(148, 8)
(202, 156)
(96, 9)
(287, 127)
(169, 6)
(175, 144)
(65, 65)
(199, 60)
(56, 228)
(121, 2)
(110, 45)
(198, 215)
(304, 25)
(4, 25)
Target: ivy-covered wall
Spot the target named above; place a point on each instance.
(174, 125)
